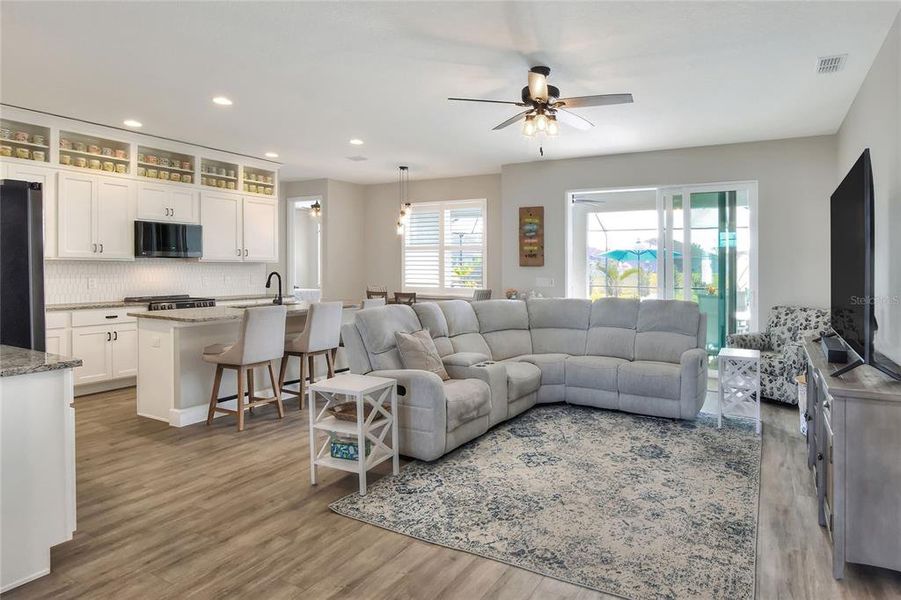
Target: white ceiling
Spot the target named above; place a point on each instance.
(307, 77)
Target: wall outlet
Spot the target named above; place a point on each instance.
(92, 283)
(544, 282)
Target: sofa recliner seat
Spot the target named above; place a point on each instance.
(504, 356)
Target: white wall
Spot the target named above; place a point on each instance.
(874, 122)
(383, 245)
(306, 247)
(795, 178)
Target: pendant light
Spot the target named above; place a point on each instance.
(403, 187)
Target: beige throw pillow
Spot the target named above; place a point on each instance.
(418, 351)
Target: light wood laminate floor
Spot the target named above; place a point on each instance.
(202, 512)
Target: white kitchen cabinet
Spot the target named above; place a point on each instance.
(162, 202)
(77, 193)
(125, 351)
(92, 346)
(115, 218)
(260, 229)
(221, 217)
(47, 178)
(107, 352)
(96, 217)
(237, 228)
(57, 341)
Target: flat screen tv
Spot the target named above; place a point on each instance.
(852, 252)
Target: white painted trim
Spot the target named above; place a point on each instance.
(27, 578)
(182, 417)
(289, 235)
(85, 389)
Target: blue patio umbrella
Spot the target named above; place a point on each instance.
(633, 254)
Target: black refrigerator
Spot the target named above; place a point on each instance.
(21, 265)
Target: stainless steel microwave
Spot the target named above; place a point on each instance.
(168, 240)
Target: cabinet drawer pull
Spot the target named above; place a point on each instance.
(819, 456)
(245, 251)
(237, 252)
(101, 248)
(109, 336)
(115, 335)
(111, 317)
(93, 247)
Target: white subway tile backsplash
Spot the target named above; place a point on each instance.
(68, 282)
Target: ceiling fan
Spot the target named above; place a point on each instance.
(544, 106)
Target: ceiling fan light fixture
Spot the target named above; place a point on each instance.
(541, 122)
(528, 127)
(552, 127)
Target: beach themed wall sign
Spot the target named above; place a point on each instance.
(531, 236)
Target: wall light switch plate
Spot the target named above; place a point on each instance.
(544, 282)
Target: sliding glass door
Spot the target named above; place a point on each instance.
(710, 257)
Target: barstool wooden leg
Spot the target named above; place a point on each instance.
(276, 389)
(312, 359)
(214, 397)
(330, 360)
(282, 372)
(250, 387)
(303, 378)
(240, 406)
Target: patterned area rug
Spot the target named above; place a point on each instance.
(633, 506)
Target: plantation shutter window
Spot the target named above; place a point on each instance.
(444, 247)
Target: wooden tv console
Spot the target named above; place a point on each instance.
(854, 449)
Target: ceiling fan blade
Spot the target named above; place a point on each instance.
(489, 101)
(512, 120)
(599, 100)
(573, 120)
(537, 86)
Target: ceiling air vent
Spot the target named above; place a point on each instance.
(357, 158)
(831, 64)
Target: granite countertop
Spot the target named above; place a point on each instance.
(22, 361)
(218, 313)
(122, 304)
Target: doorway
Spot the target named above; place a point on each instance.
(304, 230)
(694, 243)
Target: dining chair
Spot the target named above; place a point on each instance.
(405, 298)
(373, 302)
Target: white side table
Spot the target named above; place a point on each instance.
(371, 391)
(739, 384)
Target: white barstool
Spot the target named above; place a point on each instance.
(259, 343)
(321, 335)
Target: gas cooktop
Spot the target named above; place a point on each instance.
(171, 301)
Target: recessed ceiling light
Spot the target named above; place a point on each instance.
(222, 101)
(132, 123)
(356, 142)
(271, 155)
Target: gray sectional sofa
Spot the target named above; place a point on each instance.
(504, 356)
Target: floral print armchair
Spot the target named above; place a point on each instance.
(781, 355)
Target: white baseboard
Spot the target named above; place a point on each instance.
(25, 580)
(104, 386)
(181, 417)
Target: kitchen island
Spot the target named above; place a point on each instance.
(174, 382)
(37, 461)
